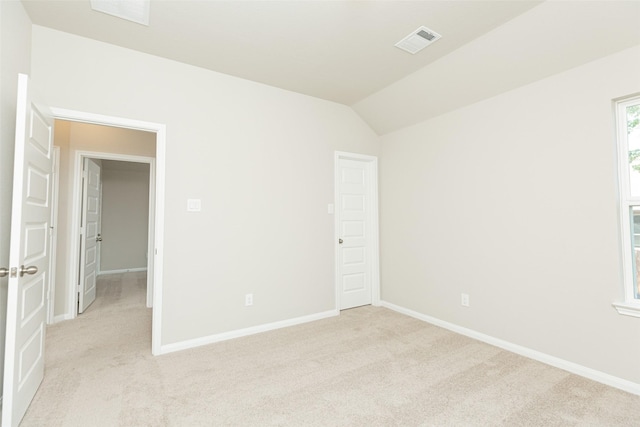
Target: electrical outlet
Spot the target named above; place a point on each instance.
(248, 300)
(464, 300)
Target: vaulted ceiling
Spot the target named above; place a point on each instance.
(343, 51)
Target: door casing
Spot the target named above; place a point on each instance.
(79, 159)
(51, 285)
(371, 163)
(156, 211)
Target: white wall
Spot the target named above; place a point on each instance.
(513, 201)
(259, 158)
(15, 49)
(72, 137)
(125, 215)
(61, 137)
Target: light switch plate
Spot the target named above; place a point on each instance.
(193, 205)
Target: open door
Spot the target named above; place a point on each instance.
(28, 256)
(90, 234)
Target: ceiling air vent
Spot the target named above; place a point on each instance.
(131, 10)
(418, 40)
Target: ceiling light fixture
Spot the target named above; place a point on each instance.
(131, 10)
(418, 40)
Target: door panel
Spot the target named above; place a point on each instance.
(353, 256)
(26, 297)
(354, 253)
(90, 227)
(35, 236)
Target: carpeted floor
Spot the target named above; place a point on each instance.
(367, 367)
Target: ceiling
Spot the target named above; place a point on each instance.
(343, 51)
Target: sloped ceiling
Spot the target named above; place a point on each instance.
(343, 51)
(551, 38)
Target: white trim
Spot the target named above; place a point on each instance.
(123, 270)
(53, 242)
(626, 203)
(628, 309)
(99, 246)
(61, 318)
(79, 157)
(574, 368)
(150, 232)
(158, 255)
(154, 262)
(197, 342)
(99, 119)
(374, 241)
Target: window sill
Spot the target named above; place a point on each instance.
(628, 309)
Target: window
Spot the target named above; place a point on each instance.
(628, 127)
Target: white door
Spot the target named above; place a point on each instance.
(356, 234)
(90, 234)
(29, 256)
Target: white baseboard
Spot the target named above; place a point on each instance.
(184, 345)
(124, 270)
(574, 368)
(61, 317)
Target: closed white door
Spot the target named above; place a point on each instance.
(355, 232)
(28, 257)
(90, 234)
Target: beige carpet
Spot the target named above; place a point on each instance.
(368, 367)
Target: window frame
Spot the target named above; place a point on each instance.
(630, 305)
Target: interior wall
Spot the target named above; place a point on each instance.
(61, 137)
(259, 158)
(125, 216)
(513, 201)
(15, 51)
(72, 137)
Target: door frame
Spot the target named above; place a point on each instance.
(156, 211)
(371, 165)
(53, 241)
(77, 207)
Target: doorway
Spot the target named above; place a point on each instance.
(119, 259)
(356, 228)
(156, 211)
